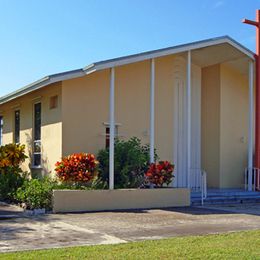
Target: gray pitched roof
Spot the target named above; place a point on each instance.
(123, 61)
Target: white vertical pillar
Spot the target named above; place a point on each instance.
(250, 123)
(188, 93)
(152, 79)
(112, 128)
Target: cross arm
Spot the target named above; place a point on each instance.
(250, 22)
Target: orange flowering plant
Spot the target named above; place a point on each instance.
(160, 173)
(77, 168)
(11, 156)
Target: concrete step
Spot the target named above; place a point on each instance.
(219, 200)
(231, 196)
(225, 194)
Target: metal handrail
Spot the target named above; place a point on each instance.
(255, 178)
(199, 182)
(203, 186)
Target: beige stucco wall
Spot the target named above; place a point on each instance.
(51, 125)
(132, 99)
(210, 124)
(86, 107)
(164, 107)
(100, 200)
(77, 125)
(224, 125)
(233, 127)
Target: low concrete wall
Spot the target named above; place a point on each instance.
(100, 200)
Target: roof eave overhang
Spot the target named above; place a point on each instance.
(41, 83)
(168, 51)
(124, 61)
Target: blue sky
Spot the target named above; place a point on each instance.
(38, 38)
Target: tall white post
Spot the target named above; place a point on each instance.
(188, 93)
(152, 79)
(250, 123)
(112, 128)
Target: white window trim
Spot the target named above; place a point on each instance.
(107, 124)
(1, 129)
(36, 101)
(17, 109)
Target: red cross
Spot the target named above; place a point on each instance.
(257, 72)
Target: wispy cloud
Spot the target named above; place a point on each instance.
(218, 4)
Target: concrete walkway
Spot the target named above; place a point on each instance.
(62, 230)
(8, 211)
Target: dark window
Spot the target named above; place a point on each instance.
(108, 135)
(17, 126)
(1, 129)
(37, 135)
(37, 121)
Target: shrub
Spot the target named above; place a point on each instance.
(11, 156)
(161, 173)
(131, 163)
(77, 168)
(36, 193)
(9, 183)
(11, 176)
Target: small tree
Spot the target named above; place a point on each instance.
(131, 163)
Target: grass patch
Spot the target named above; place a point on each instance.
(240, 245)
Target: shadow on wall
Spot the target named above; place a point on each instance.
(36, 172)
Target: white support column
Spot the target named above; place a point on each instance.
(188, 93)
(152, 78)
(250, 123)
(112, 128)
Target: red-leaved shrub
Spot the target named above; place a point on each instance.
(161, 173)
(80, 167)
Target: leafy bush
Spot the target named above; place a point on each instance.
(11, 156)
(95, 184)
(77, 168)
(11, 176)
(9, 183)
(131, 163)
(36, 193)
(161, 173)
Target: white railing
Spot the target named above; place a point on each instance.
(198, 182)
(252, 179)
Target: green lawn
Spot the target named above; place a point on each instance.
(241, 245)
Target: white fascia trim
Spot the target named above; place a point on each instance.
(241, 48)
(27, 89)
(40, 84)
(89, 69)
(124, 61)
(108, 124)
(169, 51)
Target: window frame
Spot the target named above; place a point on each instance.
(37, 142)
(107, 134)
(17, 126)
(1, 129)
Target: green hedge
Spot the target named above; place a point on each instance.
(131, 162)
